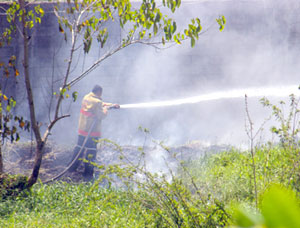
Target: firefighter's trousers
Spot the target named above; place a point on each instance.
(91, 151)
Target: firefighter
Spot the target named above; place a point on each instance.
(93, 111)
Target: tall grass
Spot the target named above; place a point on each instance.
(229, 177)
(221, 180)
(67, 205)
(201, 192)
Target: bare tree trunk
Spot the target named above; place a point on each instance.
(1, 160)
(39, 142)
(1, 157)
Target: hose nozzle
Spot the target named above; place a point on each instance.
(115, 106)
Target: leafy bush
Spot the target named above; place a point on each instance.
(279, 208)
(11, 185)
(173, 200)
(228, 175)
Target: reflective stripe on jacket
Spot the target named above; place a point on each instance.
(91, 109)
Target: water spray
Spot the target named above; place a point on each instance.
(280, 91)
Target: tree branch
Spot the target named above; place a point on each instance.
(95, 64)
(51, 125)
(2, 8)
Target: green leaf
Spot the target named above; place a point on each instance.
(193, 41)
(174, 27)
(74, 96)
(173, 7)
(104, 40)
(12, 102)
(176, 39)
(142, 34)
(280, 208)
(158, 17)
(221, 27)
(155, 28)
(223, 20)
(63, 91)
(87, 45)
(17, 137)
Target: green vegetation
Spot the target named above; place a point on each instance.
(217, 190)
(66, 205)
(256, 188)
(229, 177)
(207, 198)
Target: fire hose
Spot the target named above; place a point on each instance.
(81, 151)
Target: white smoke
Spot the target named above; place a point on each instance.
(258, 49)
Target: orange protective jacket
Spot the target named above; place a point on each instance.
(91, 109)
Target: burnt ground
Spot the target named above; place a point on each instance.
(19, 157)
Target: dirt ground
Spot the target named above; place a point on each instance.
(19, 157)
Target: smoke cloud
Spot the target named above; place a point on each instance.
(257, 48)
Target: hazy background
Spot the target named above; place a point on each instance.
(258, 47)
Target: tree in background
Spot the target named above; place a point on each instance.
(10, 123)
(21, 20)
(86, 21)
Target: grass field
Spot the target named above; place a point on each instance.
(202, 193)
